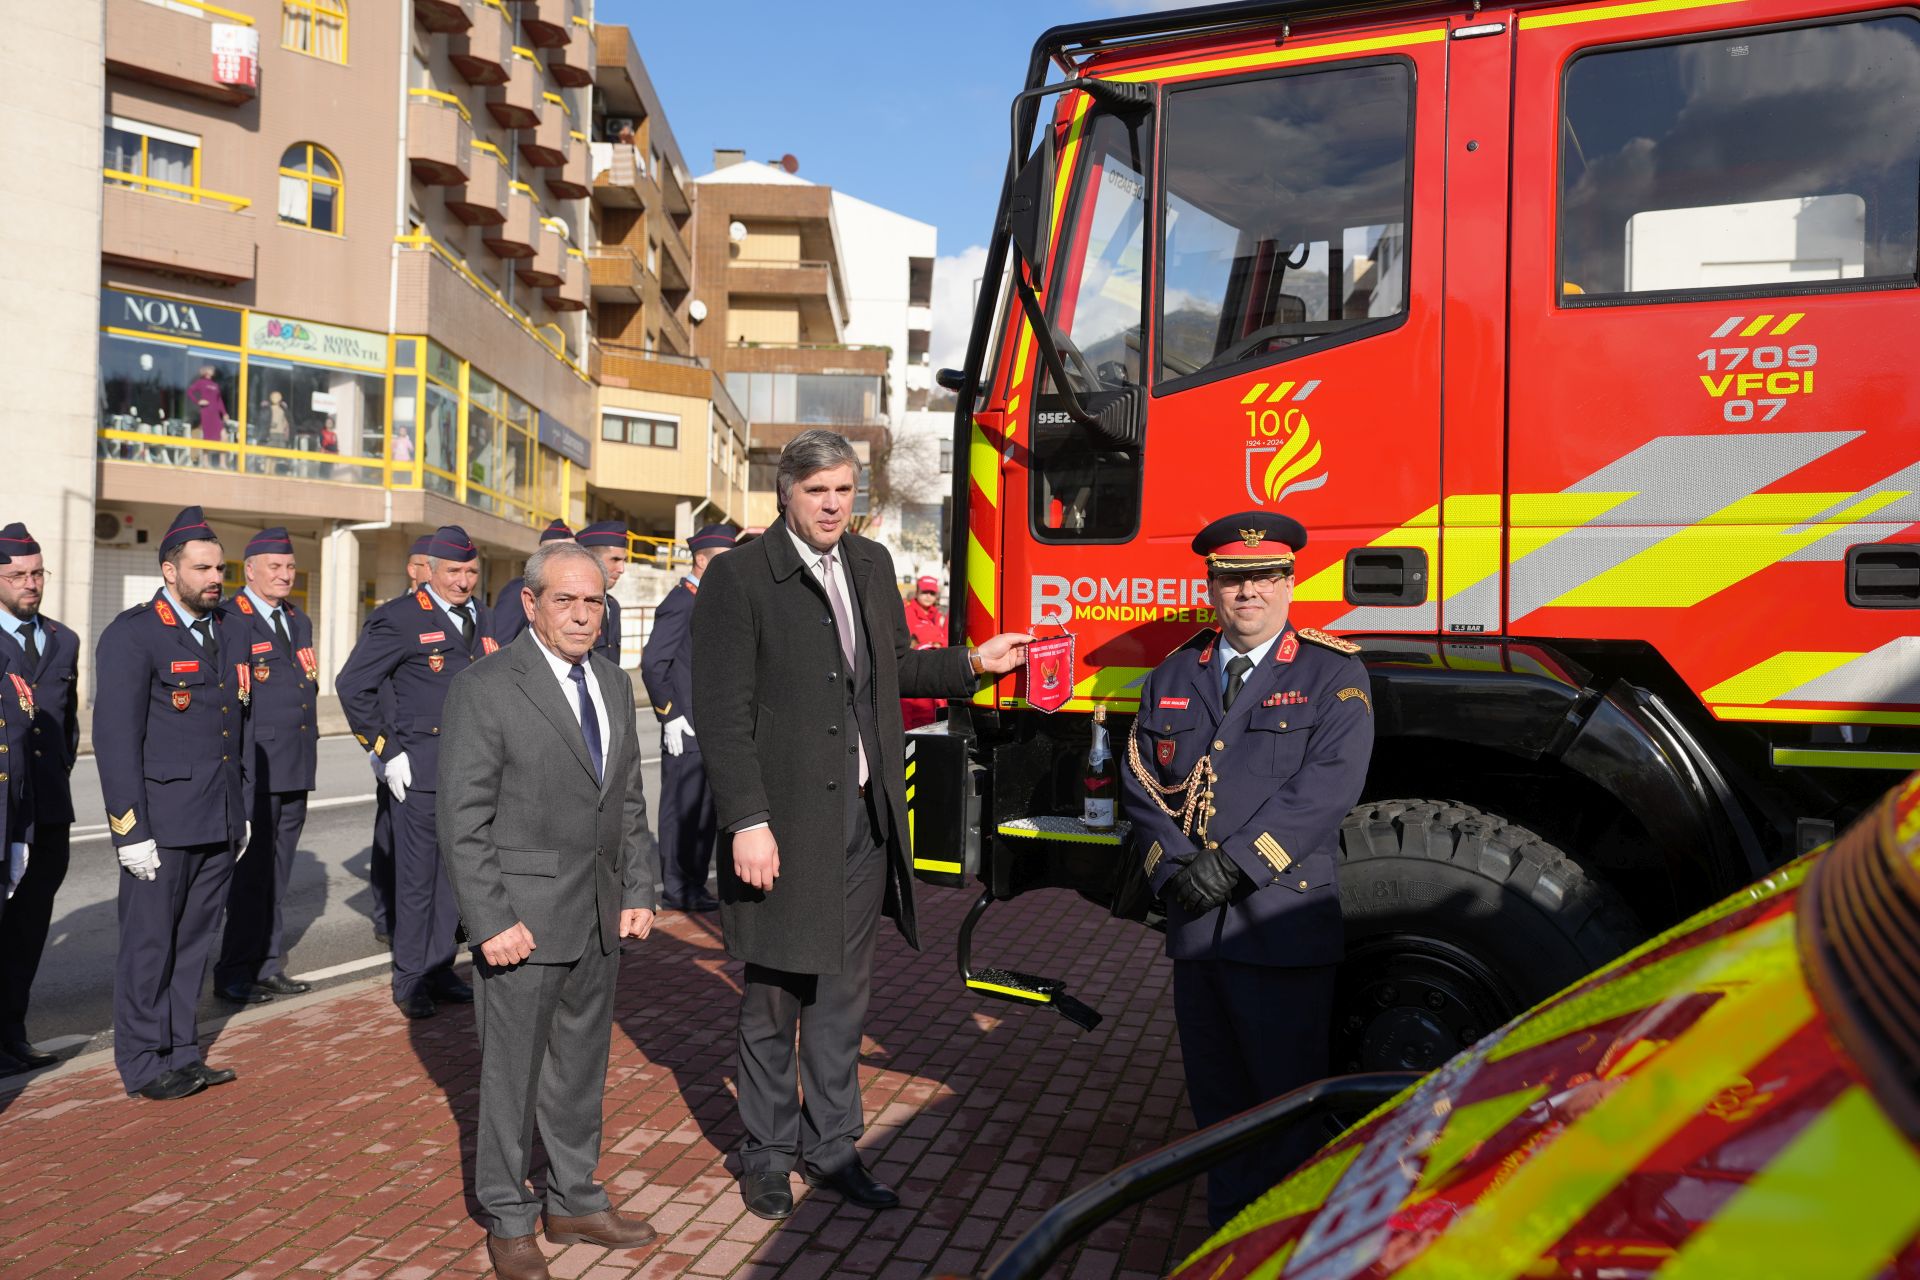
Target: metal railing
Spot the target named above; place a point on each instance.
(212, 10)
(442, 96)
(157, 186)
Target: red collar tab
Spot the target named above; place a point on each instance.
(426, 601)
(1206, 654)
(246, 605)
(164, 611)
(693, 588)
(1288, 646)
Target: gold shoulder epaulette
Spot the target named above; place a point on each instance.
(1313, 635)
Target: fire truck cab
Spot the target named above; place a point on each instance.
(1580, 337)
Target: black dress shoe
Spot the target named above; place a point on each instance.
(702, 901)
(25, 1054)
(182, 1082)
(768, 1194)
(448, 989)
(382, 936)
(281, 985)
(416, 1006)
(211, 1076)
(855, 1183)
(242, 993)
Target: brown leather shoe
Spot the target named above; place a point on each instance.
(517, 1258)
(606, 1228)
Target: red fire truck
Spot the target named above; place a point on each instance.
(1579, 335)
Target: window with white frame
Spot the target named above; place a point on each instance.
(657, 431)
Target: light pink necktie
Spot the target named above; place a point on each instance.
(843, 622)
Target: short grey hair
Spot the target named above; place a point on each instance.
(811, 451)
(542, 560)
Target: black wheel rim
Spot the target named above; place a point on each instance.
(1407, 1002)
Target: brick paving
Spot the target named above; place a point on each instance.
(340, 1150)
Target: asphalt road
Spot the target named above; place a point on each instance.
(326, 909)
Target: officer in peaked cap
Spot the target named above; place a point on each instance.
(174, 743)
(509, 615)
(686, 802)
(16, 790)
(286, 735)
(1250, 745)
(47, 656)
(608, 540)
(380, 855)
(392, 690)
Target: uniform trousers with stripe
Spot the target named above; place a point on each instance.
(1249, 1033)
(167, 929)
(254, 947)
(687, 827)
(425, 912)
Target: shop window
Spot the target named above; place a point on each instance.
(1777, 160)
(310, 188)
(317, 28)
(316, 401)
(180, 397)
(640, 429)
(161, 162)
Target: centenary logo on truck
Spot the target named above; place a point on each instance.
(1282, 455)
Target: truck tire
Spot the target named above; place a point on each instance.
(1456, 920)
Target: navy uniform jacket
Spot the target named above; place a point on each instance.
(286, 734)
(1289, 760)
(17, 713)
(410, 650)
(509, 615)
(609, 641)
(56, 718)
(171, 733)
(666, 664)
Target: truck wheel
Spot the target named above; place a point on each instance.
(1456, 920)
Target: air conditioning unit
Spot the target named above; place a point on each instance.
(113, 529)
(616, 123)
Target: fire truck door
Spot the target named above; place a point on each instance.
(1711, 388)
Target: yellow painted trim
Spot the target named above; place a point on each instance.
(528, 191)
(934, 864)
(214, 9)
(441, 95)
(1073, 837)
(1299, 53)
(1776, 675)
(317, 9)
(1814, 715)
(558, 101)
(983, 461)
(1015, 992)
(169, 338)
(1839, 758)
(235, 203)
(980, 574)
(1607, 13)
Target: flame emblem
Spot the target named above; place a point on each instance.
(1290, 466)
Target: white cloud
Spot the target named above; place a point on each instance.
(954, 280)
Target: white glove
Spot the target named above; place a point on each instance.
(142, 859)
(379, 766)
(677, 731)
(399, 776)
(16, 866)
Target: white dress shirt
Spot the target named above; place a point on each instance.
(560, 668)
(1257, 653)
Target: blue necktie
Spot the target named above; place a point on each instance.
(589, 721)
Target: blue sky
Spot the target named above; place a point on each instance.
(902, 104)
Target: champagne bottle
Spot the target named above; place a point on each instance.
(1101, 781)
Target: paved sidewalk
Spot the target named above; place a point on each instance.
(339, 1151)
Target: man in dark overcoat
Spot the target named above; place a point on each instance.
(801, 654)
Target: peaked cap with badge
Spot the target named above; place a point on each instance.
(606, 533)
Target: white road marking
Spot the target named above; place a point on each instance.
(341, 970)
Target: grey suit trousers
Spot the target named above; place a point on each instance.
(544, 1034)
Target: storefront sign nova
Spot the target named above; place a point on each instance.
(169, 317)
(280, 335)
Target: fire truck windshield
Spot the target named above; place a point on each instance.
(1100, 290)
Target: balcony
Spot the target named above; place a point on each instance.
(481, 201)
(800, 357)
(547, 267)
(186, 230)
(620, 177)
(439, 138)
(570, 181)
(518, 234)
(572, 293)
(546, 23)
(445, 17)
(551, 140)
(172, 48)
(672, 331)
(573, 64)
(517, 103)
(769, 278)
(676, 268)
(616, 275)
(481, 53)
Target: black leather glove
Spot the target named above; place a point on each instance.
(1206, 882)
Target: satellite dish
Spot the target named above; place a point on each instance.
(790, 163)
(736, 231)
(696, 311)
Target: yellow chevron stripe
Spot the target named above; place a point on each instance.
(1534, 22)
(1838, 1203)
(1280, 393)
(122, 824)
(933, 864)
(1758, 323)
(1468, 1127)
(1328, 586)
(1778, 674)
(983, 462)
(980, 574)
(1787, 324)
(1505, 1231)
(1470, 541)
(1259, 389)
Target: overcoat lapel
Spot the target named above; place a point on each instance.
(1203, 682)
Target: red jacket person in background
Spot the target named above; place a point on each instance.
(927, 626)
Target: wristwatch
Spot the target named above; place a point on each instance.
(973, 660)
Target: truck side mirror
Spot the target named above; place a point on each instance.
(1029, 209)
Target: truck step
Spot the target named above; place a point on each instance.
(1027, 988)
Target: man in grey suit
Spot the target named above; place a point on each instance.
(800, 655)
(543, 830)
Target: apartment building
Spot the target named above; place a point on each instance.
(343, 284)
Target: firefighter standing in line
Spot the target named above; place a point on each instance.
(509, 615)
(1251, 744)
(607, 539)
(409, 652)
(927, 627)
(380, 856)
(686, 801)
(286, 736)
(173, 741)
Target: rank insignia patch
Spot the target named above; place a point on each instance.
(122, 824)
(1347, 694)
(1164, 750)
(1269, 849)
(261, 671)
(182, 699)
(489, 645)
(436, 663)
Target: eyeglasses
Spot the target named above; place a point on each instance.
(1264, 583)
(25, 576)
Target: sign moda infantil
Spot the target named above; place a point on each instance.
(285, 336)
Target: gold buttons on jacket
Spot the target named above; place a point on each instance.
(1219, 745)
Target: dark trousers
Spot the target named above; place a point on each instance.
(687, 827)
(380, 860)
(827, 1010)
(166, 934)
(1249, 1033)
(425, 913)
(254, 946)
(29, 915)
(544, 1033)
